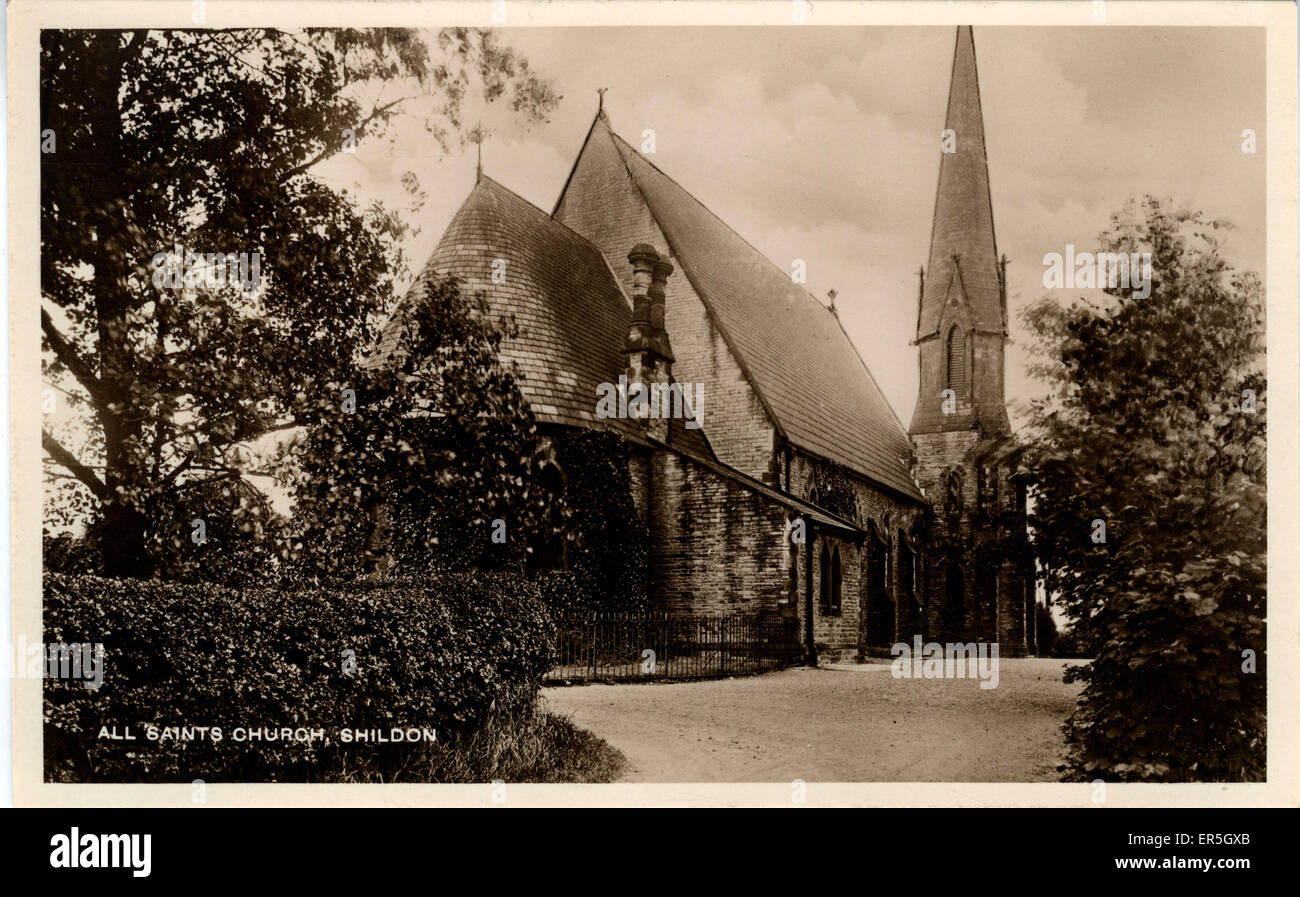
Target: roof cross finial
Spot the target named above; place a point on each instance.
(831, 294)
(601, 102)
(477, 134)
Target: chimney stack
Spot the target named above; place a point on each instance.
(647, 334)
(649, 354)
(643, 258)
(658, 281)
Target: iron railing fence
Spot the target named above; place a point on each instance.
(621, 647)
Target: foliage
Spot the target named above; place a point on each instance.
(439, 446)
(68, 553)
(565, 595)
(606, 550)
(1067, 645)
(443, 654)
(835, 490)
(206, 140)
(518, 744)
(1156, 426)
(1045, 631)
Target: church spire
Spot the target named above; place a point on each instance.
(963, 248)
(961, 326)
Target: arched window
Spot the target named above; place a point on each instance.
(906, 583)
(957, 362)
(880, 605)
(911, 608)
(955, 595)
(836, 582)
(825, 591)
(986, 595)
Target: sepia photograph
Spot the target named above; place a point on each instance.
(792, 401)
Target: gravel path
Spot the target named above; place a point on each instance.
(845, 723)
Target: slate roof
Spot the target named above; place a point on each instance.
(571, 312)
(801, 363)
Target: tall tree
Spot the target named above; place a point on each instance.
(204, 142)
(1151, 507)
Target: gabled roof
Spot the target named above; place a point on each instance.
(963, 209)
(800, 362)
(571, 312)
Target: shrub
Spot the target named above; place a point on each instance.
(1176, 693)
(564, 594)
(443, 654)
(1046, 632)
(523, 744)
(441, 439)
(1150, 517)
(607, 539)
(240, 534)
(69, 553)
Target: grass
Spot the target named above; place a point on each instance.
(526, 745)
(569, 754)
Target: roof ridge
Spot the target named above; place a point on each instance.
(761, 254)
(572, 309)
(600, 113)
(401, 308)
(704, 299)
(860, 429)
(716, 216)
(988, 176)
(938, 181)
(956, 168)
(551, 217)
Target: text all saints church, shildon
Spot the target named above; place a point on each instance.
(798, 492)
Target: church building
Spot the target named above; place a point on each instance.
(790, 488)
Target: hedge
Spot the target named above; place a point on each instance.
(438, 654)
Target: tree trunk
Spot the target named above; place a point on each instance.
(103, 182)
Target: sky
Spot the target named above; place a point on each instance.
(822, 144)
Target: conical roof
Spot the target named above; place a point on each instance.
(571, 313)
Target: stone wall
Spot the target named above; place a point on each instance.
(977, 541)
(838, 634)
(717, 546)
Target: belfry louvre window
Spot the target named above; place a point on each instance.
(957, 362)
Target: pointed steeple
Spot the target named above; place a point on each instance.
(961, 321)
(963, 263)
